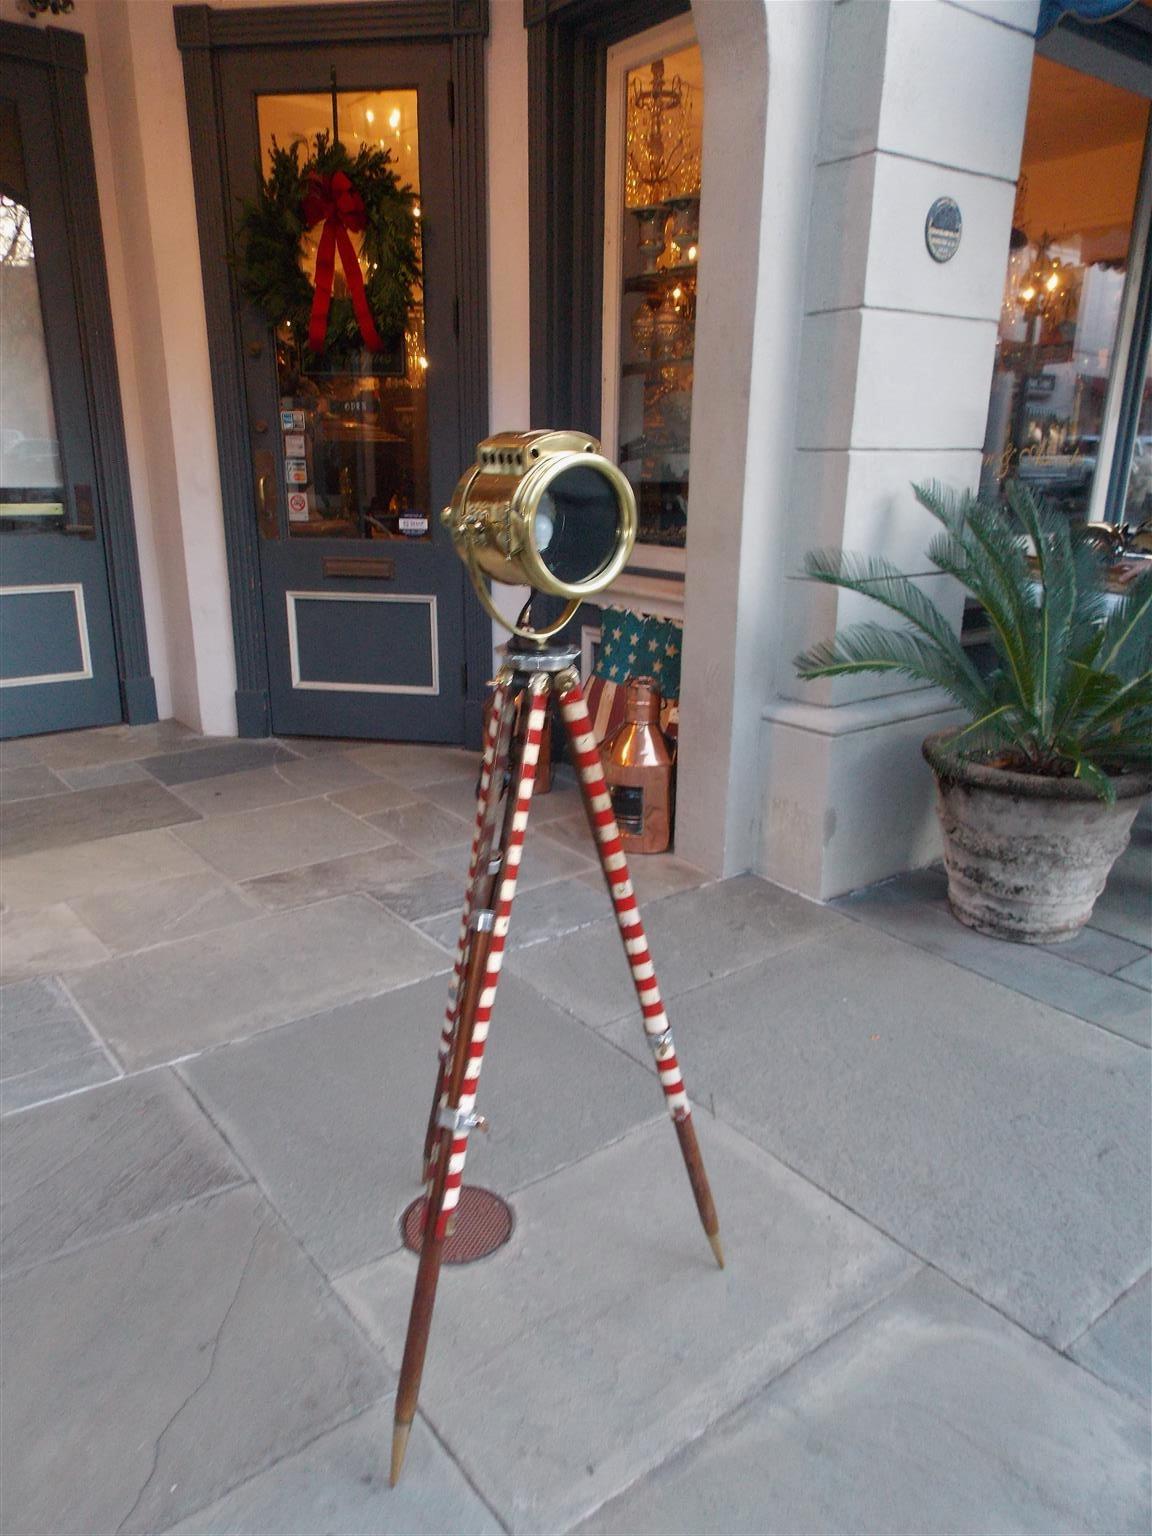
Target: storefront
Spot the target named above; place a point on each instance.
(698, 233)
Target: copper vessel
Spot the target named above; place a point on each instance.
(638, 768)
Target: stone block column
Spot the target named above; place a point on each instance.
(921, 99)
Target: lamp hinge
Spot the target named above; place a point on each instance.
(451, 103)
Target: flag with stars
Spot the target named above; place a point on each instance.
(634, 645)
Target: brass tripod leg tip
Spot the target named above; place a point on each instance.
(714, 1239)
(399, 1446)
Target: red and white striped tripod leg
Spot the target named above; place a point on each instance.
(614, 863)
(513, 850)
(495, 714)
(457, 1117)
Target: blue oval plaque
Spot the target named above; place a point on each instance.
(942, 229)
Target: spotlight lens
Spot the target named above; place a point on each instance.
(581, 515)
(543, 527)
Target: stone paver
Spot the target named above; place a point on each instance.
(389, 868)
(931, 1415)
(253, 843)
(206, 762)
(1099, 951)
(84, 869)
(542, 862)
(602, 1338)
(100, 775)
(179, 998)
(45, 939)
(1125, 907)
(1042, 972)
(325, 775)
(411, 763)
(330, 1113)
(110, 744)
(165, 910)
(28, 783)
(695, 936)
(1118, 1347)
(544, 912)
(653, 878)
(55, 821)
(1138, 973)
(423, 827)
(164, 1365)
(45, 1047)
(91, 1164)
(376, 795)
(1000, 1139)
(438, 894)
(339, 1484)
(251, 790)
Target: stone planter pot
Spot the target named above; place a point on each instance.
(1027, 857)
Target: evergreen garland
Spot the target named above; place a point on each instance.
(271, 227)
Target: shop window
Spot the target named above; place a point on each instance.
(652, 184)
(1067, 322)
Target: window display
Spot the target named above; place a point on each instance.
(659, 250)
(1067, 268)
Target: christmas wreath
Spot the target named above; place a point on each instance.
(334, 195)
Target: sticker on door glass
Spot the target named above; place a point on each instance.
(296, 471)
(413, 523)
(291, 421)
(297, 506)
(294, 445)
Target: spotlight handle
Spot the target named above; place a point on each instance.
(493, 612)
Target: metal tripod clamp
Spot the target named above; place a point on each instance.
(459, 1121)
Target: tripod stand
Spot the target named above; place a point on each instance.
(530, 679)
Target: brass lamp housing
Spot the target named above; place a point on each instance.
(493, 517)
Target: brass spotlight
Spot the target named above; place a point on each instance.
(546, 510)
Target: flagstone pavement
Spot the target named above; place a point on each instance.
(225, 966)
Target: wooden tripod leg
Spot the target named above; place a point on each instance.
(606, 835)
(457, 1117)
(498, 724)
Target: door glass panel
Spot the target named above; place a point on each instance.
(1066, 271)
(31, 481)
(353, 427)
(661, 180)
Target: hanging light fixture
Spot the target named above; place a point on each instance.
(1043, 289)
(662, 159)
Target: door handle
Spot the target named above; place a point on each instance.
(267, 511)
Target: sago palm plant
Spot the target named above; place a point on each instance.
(1071, 691)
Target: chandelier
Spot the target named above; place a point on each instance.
(663, 157)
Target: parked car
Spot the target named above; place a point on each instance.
(1063, 476)
(1138, 505)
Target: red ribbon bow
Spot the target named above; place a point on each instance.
(335, 202)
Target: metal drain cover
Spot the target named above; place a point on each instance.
(483, 1223)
